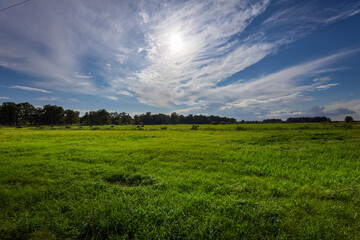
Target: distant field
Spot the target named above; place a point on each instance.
(250, 181)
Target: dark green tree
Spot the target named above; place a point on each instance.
(349, 119)
(71, 116)
(115, 118)
(125, 118)
(25, 113)
(52, 115)
(9, 113)
(174, 118)
(103, 117)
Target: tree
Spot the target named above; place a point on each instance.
(349, 119)
(85, 119)
(115, 118)
(9, 113)
(103, 117)
(125, 118)
(71, 117)
(52, 115)
(174, 118)
(36, 116)
(25, 112)
(100, 117)
(273, 120)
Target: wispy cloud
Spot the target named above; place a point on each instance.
(4, 98)
(322, 79)
(326, 86)
(31, 89)
(112, 98)
(285, 86)
(73, 100)
(304, 17)
(126, 93)
(84, 76)
(46, 99)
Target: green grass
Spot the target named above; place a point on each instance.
(250, 181)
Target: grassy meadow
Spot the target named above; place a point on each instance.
(247, 181)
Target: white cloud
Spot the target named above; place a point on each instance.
(144, 16)
(112, 98)
(5, 98)
(187, 110)
(322, 79)
(305, 17)
(73, 100)
(46, 99)
(326, 86)
(86, 76)
(282, 86)
(30, 89)
(126, 93)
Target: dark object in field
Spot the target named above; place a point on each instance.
(348, 119)
(67, 127)
(194, 127)
(112, 126)
(52, 126)
(19, 126)
(142, 124)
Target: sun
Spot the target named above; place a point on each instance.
(176, 43)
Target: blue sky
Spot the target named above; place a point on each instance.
(245, 59)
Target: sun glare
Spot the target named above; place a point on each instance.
(176, 44)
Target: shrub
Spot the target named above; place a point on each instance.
(349, 119)
(194, 127)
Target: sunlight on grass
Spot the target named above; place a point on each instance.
(259, 181)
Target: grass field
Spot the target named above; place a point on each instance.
(250, 181)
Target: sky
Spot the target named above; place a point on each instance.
(247, 59)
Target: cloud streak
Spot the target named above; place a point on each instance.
(46, 99)
(30, 89)
(112, 98)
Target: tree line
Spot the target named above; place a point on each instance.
(27, 114)
(299, 120)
